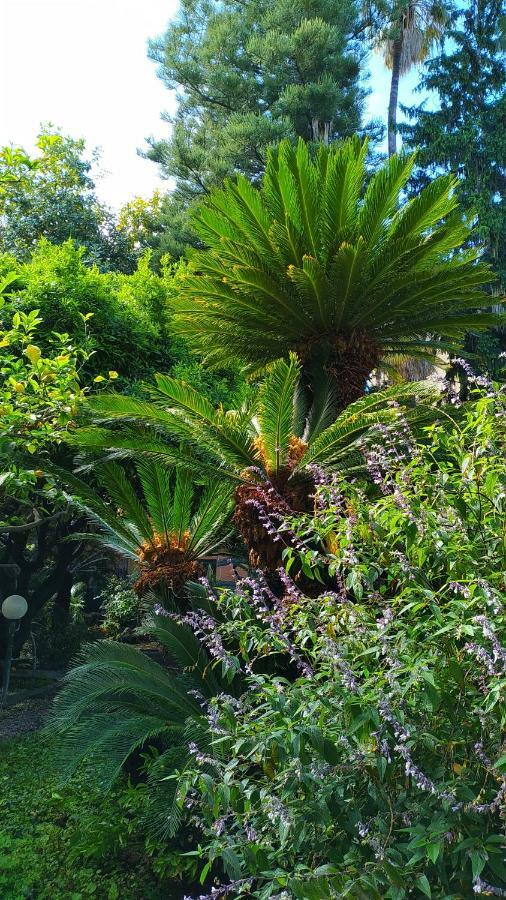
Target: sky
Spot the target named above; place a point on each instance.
(82, 65)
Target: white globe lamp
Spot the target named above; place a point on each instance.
(14, 607)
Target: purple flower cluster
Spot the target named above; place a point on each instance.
(421, 780)
(275, 523)
(375, 462)
(221, 891)
(425, 783)
(355, 755)
(349, 680)
(386, 714)
(461, 589)
(498, 652)
(292, 592)
(482, 887)
(477, 380)
(382, 745)
(205, 629)
(277, 812)
(265, 520)
(350, 555)
(159, 610)
(201, 758)
(328, 492)
(257, 592)
(493, 805)
(481, 655)
(491, 599)
(385, 620)
(378, 464)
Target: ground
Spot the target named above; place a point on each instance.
(65, 842)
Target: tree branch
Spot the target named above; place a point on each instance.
(18, 529)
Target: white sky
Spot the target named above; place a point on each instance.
(82, 65)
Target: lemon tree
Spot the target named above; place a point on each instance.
(39, 389)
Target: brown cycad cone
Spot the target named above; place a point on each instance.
(261, 507)
(164, 560)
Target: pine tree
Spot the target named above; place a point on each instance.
(466, 132)
(249, 74)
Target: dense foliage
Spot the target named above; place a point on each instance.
(348, 744)
(52, 195)
(39, 391)
(58, 843)
(263, 450)
(329, 720)
(108, 314)
(246, 77)
(464, 131)
(377, 769)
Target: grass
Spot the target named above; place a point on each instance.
(72, 843)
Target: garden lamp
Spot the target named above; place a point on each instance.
(13, 609)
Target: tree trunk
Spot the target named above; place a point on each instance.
(394, 96)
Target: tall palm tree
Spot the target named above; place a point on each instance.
(162, 526)
(337, 269)
(406, 41)
(265, 452)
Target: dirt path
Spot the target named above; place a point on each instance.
(24, 717)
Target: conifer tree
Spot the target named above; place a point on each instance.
(247, 75)
(464, 131)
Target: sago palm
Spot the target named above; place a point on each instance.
(160, 523)
(265, 451)
(116, 701)
(330, 264)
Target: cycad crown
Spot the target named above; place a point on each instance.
(163, 528)
(116, 701)
(333, 266)
(275, 439)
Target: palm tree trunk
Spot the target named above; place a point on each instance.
(394, 96)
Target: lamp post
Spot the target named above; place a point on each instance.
(13, 609)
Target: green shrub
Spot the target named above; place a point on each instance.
(111, 314)
(374, 765)
(121, 607)
(58, 638)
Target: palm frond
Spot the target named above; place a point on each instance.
(276, 411)
(156, 488)
(210, 525)
(119, 488)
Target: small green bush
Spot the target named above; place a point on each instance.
(58, 638)
(111, 314)
(121, 607)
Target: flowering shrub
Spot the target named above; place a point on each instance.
(371, 764)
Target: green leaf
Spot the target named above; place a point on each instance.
(423, 883)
